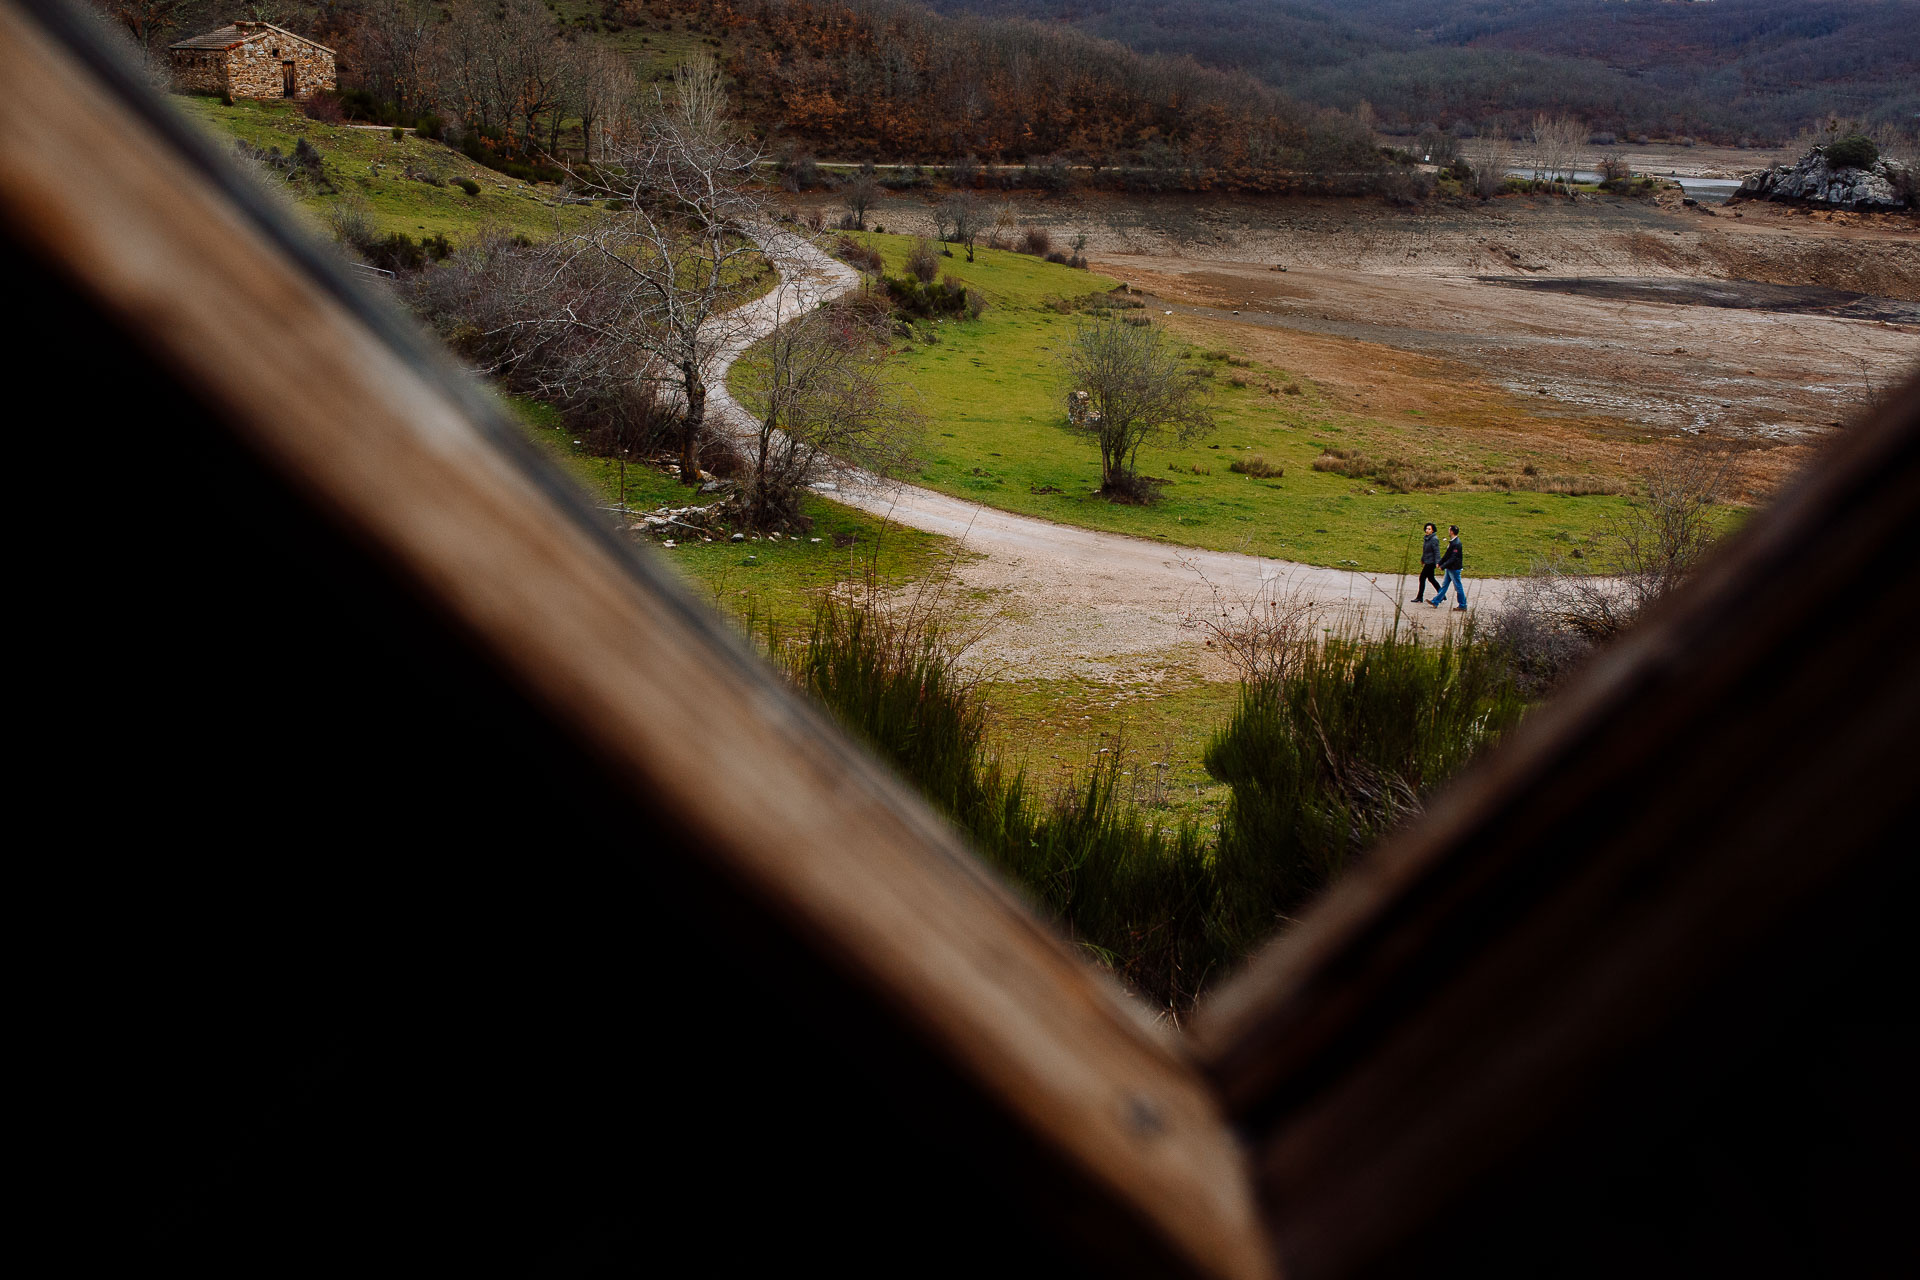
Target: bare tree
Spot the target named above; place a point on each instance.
(398, 51)
(529, 66)
(1657, 543)
(1553, 618)
(1489, 156)
(604, 88)
(824, 405)
(147, 21)
(1556, 141)
(1135, 389)
(468, 51)
(481, 298)
(961, 218)
(1261, 635)
(681, 252)
(861, 195)
(1002, 220)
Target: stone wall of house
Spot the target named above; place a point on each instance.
(254, 68)
(199, 70)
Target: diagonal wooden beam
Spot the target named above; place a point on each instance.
(339, 394)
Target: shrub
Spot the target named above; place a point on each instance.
(430, 126)
(1333, 752)
(949, 297)
(855, 254)
(1056, 257)
(352, 225)
(1046, 173)
(632, 419)
(396, 252)
(1136, 896)
(1389, 473)
(1256, 466)
(1037, 241)
(923, 264)
(469, 186)
(398, 133)
(801, 173)
(325, 107)
(1855, 151)
(1330, 746)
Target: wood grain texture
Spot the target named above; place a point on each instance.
(1625, 853)
(798, 818)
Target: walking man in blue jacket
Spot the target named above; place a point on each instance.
(1450, 564)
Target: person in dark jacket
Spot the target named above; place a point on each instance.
(1450, 564)
(1429, 557)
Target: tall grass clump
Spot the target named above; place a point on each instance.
(1133, 893)
(1329, 753)
(1326, 751)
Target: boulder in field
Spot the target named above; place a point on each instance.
(1847, 174)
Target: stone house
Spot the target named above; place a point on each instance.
(252, 60)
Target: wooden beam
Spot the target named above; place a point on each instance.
(338, 393)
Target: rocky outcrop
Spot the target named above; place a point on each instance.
(1812, 180)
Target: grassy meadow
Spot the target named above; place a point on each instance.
(998, 436)
(771, 581)
(368, 167)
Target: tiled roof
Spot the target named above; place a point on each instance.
(233, 34)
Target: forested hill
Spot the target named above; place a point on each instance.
(1725, 70)
(891, 80)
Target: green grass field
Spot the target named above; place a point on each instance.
(762, 579)
(1056, 730)
(367, 166)
(998, 435)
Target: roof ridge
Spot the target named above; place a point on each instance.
(244, 30)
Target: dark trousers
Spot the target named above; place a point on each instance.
(1426, 576)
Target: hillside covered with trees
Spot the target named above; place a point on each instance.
(1729, 71)
(895, 81)
(520, 83)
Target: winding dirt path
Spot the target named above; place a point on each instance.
(1067, 601)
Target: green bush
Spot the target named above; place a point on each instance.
(1855, 151)
(469, 186)
(1328, 757)
(1320, 762)
(927, 299)
(397, 251)
(1133, 894)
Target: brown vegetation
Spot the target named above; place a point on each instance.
(895, 81)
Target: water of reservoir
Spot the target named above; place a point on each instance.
(1705, 190)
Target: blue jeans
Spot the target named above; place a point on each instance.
(1459, 590)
